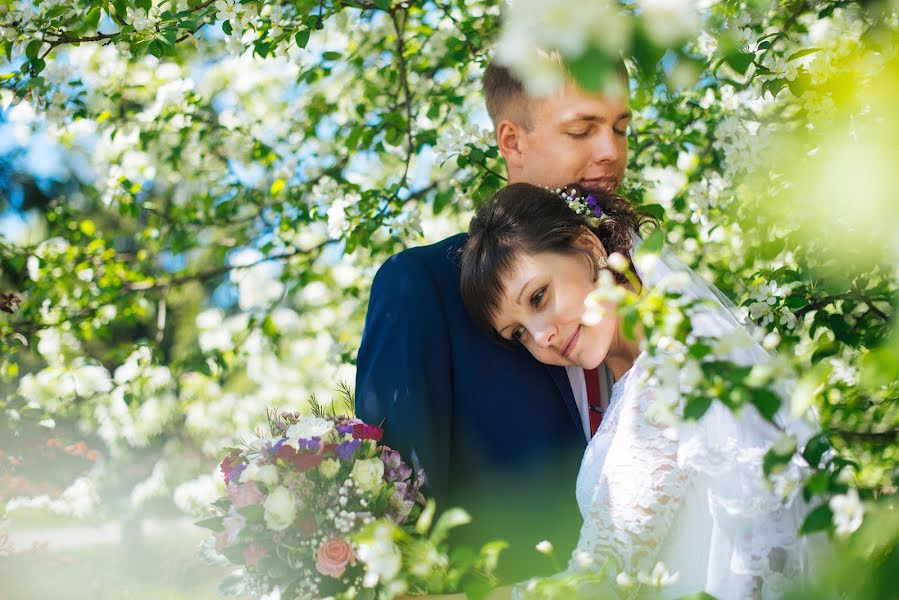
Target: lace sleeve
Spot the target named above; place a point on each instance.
(630, 490)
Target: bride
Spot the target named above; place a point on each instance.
(691, 496)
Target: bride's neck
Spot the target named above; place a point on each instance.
(622, 353)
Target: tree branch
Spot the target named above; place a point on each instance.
(404, 79)
(878, 437)
(166, 284)
(62, 38)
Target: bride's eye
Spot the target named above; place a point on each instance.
(517, 334)
(537, 298)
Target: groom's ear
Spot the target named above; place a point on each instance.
(509, 139)
(588, 241)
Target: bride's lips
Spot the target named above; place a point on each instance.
(571, 342)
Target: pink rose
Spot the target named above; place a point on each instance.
(333, 557)
(245, 494)
(253, 553)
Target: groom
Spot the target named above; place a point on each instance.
(496, 432)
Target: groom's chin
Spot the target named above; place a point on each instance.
(601, 185)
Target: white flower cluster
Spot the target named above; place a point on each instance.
(765, 295)
(381, 558)
(458, 138)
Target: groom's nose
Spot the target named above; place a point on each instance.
(605, 146)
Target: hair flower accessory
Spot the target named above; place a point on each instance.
(586, 207)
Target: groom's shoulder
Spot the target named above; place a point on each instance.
(439, 259)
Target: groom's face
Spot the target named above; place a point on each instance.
(572, 137)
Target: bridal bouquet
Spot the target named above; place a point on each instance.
(319, 509)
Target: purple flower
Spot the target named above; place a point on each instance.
(591, 201)
(344, 429)
(395, 469)
(276, 445)
(236, 471)
(399, 507)
(345, 450)
(312, 444)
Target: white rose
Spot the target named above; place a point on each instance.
(368, 474)
(280, 509)
(266, 474)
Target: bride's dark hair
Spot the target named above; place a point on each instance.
(527, 219)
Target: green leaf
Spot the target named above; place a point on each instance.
(426, 518)
(37, 65)
(450, 519)
(698, 596)
(653, 243)
(213, 523)
(815, 449)
(592, 69)
(383, 4)
(302, 38)
(802, 53)
(32, 49)
(226, 27)
(252, 513)
(696, 407)
(156, 48)
(774, 460)
(819, 519)
(656, 211)
(740, 61)
(331, 55)
(93, 17)
(766, 401)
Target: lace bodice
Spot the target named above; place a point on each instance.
(692, 496)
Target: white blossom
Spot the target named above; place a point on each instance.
(848, 512)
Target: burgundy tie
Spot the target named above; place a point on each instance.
(594, 407)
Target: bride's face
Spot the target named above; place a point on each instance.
(542, 307)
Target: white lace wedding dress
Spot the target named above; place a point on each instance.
(691, 495)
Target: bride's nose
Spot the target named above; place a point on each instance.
(545, 335)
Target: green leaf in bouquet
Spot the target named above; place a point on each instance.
(235, 553)
(427, 517)
(447, 521)
(489, 555)
(213, 523)
(277, 569)
(253, 513)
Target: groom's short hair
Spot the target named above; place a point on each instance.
(506, 96)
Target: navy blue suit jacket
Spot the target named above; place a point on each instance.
(495, 431)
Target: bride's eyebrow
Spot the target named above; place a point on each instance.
(523, 288)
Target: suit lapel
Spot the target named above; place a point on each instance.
(560, 377)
